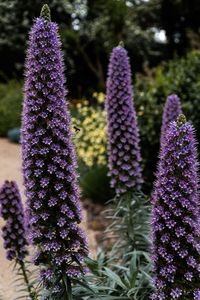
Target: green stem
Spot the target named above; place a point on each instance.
(68, 288)
(26, 280)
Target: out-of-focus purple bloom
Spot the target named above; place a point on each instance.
(123, 144)
(171, 112)
(197, 294)
(175, 216)
(14, 234)
(49, 161)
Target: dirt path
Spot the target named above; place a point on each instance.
(10, 168)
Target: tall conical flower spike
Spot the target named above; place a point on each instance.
(171, 112)
(123, 144)
(14, 234)
(49, 161)
(176, 218)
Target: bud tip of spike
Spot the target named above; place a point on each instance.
(45, 12)
(121, 44)
(181, 120)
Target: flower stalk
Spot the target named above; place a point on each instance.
(123, 134)
(14, 231)
(49, 162)
(175, 216)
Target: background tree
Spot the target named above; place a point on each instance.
(100, 28)
(16, 20)
(178, 18)
(90, 29)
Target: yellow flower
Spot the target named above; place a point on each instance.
(91, 140)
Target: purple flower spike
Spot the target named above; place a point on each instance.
(171, 112)
(175, 216)
(123, 146)
(49, 161)
(14, 230)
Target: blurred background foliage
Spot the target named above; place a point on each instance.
(91, 28)
(10, 105)
(163, 42)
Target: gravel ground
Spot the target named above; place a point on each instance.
(10, 168)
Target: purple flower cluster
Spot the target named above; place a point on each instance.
(14, 234)
(176, 218)
(123, 144)
(171, 112)
(49, 161)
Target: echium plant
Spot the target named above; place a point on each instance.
(128, 228)
(14, 231)
(123, 134)
(49, 163)
(175, 217)
(171, 112)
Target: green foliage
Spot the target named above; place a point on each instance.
(180, 76)
(112, 282)
(17, 18)
(97, 30)
(89, 30)
(129, 223)
(94, 183)
(10, 106)
(26, 282)
(123, 272)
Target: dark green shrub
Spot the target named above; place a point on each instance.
(10, 106)
(180, 76)
(94, 183)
